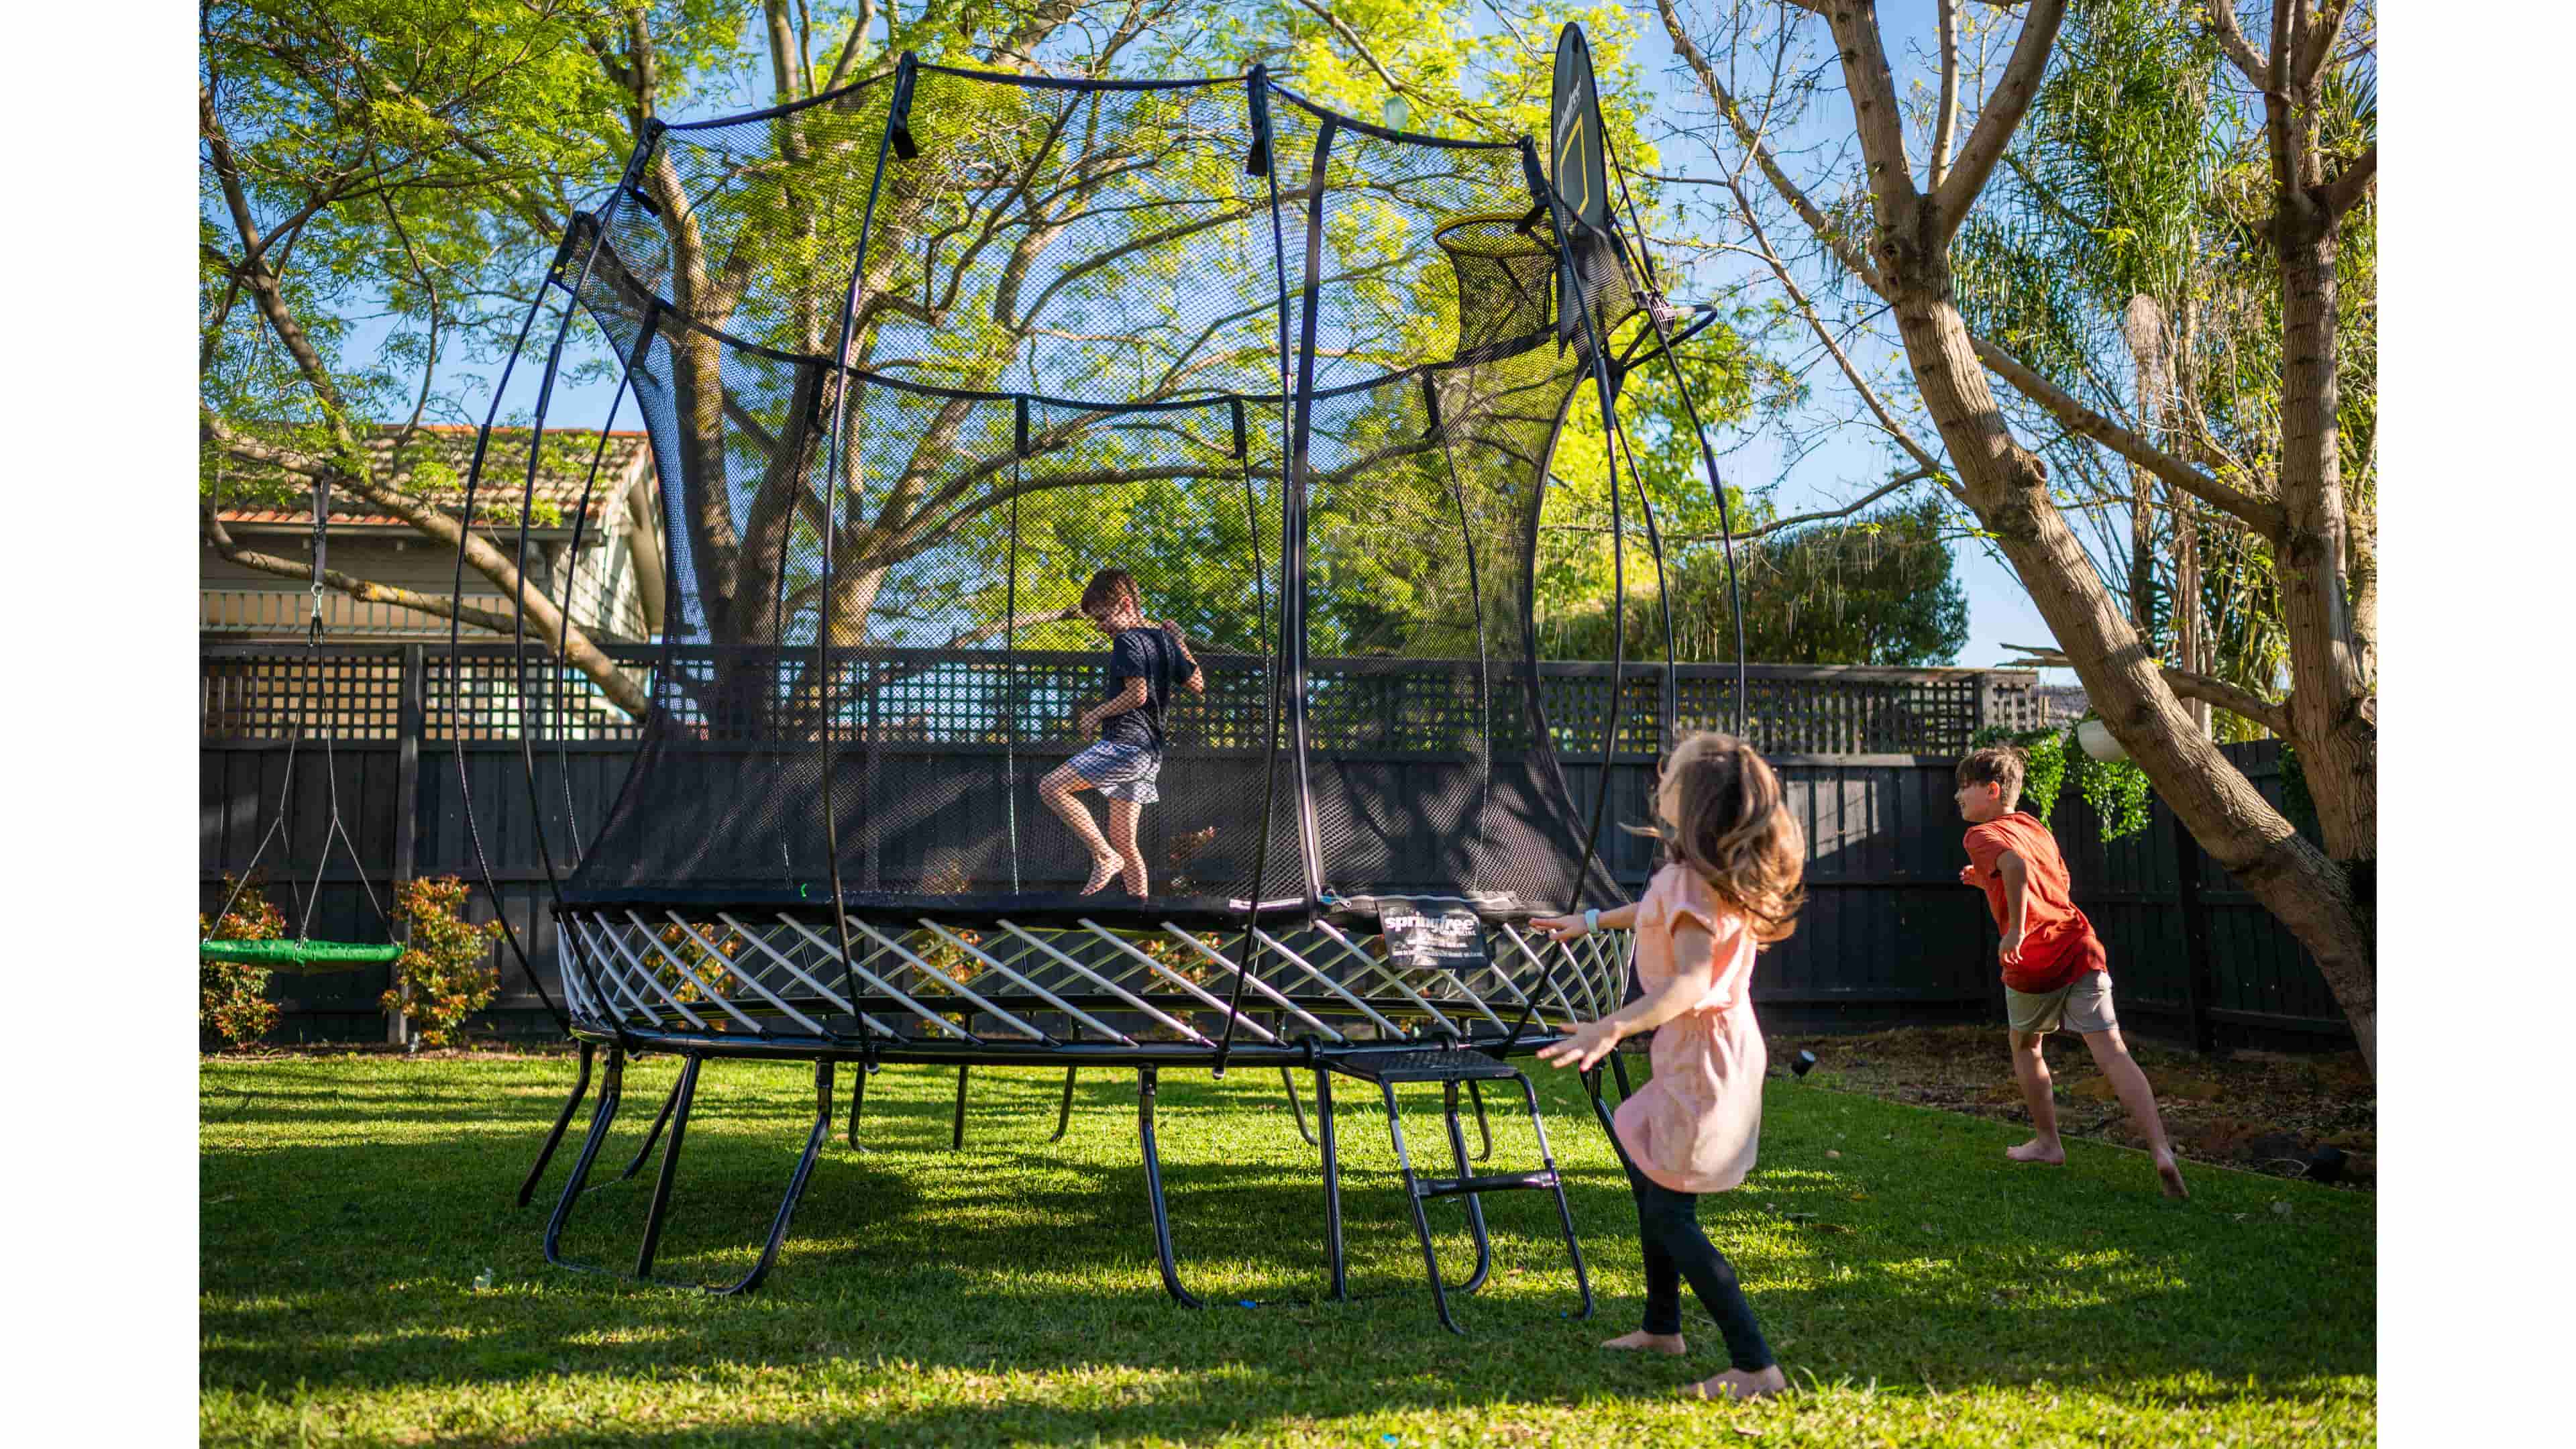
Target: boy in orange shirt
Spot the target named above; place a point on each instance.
(2053, 966)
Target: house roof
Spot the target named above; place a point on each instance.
(443, 452)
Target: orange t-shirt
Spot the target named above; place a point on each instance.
(2058, 943)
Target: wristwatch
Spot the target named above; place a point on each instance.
(1591, 919)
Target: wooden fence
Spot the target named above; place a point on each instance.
(1889, 935)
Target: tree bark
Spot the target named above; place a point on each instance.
(2007, 486)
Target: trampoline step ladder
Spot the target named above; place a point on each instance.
(1451, 1066)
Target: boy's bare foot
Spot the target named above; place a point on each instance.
(1104, 869)
(1737, 1384)
(1670, 1343)
(2170, 1173)
(2038, 1150)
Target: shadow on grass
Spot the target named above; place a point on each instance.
(1013, 1284)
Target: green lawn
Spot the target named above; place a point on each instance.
(1918, 1290)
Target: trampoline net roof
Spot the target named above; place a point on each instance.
(1310, 409)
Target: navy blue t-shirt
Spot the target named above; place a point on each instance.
(1153, 656)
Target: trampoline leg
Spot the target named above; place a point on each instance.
(1475, 1205)
(1334, 1255)
(655, 1135)
(683, 1095)
(1145, 1088)
(858, 1099)
(1484, 1129)
(1421, 1220)
(814, 1140)
(957, 1125)
(612, 1087)
(563, 1119)
(1064, 1109)
(1289, 1080)
(1564, 1212)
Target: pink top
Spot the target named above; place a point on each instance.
(1695, 1126)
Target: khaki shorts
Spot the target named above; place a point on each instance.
(2081, 1005)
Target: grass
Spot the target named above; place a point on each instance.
(1919, 1291)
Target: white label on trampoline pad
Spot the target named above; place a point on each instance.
(1425, 937)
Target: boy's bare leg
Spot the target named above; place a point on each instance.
(1123, 815)
(1058, 790)
(2031, 1069)
(1670, 1343)
(2111, 1054)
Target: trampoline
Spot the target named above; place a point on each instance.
(917, 358)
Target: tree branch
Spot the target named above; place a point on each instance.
(1923, 458)
(221, 541)
(2317, 46)
(1945, 120)
(1852, 257)
(2263, 515)
(2222, 20)
(2346, 191)
(1870, 86)
(2273, 715)
(2000, 116)
(1750, 535)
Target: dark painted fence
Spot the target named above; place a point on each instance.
(1889, 935)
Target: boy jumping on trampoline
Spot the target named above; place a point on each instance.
(1145, 659)
(1729, 886)
(2054, 969)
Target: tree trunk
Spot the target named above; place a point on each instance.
(2007, 486)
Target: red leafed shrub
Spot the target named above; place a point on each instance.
(448, 964)
(232, 1000)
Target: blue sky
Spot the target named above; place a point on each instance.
(1846, 463)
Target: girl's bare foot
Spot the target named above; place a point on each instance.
(1737, 1384)
(1670, 1343)
(2044, 1152)
(1104, 869)
(2170, 1173)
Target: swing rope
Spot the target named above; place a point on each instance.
(303, 953)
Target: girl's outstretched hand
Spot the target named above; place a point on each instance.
(1559, 928)
(1589, 1044)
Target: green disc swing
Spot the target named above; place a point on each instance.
(303, 953)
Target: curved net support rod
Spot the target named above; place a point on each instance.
(1373, 964)
(879, 982)
(1106, 984)
(950, 982)
(653, 941)
(1328, 983)
(1217, 957)
(1548, 984)
(650, 977)
(608, 971)
(1177, 979)
(747, 978)
(761, 944)
(1006, 973)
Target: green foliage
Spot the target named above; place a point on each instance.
(2116, 789)
(232, 1000)
(447, 964)
(1879, 589)
(2044, 762)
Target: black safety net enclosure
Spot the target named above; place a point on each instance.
(919, 360)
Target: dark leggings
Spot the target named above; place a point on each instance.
(1668, 1227)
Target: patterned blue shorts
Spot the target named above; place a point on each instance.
(1120, 771)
